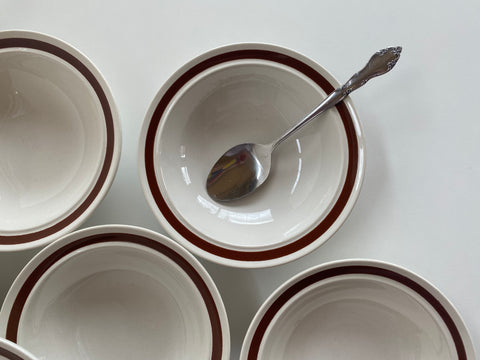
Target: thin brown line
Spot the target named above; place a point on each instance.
(360, 269)
(110, 131)
(37, 273)
(201, 243)
(9, 355)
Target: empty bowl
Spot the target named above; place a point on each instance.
(357, 309)
(116, 292)
(59, 139)
(250, 93)
(11, 351)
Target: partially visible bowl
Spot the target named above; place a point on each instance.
(60, 139)
(116, 292)
(357, 309)
(250, 93)
(11, 351)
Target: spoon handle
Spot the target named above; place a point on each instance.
(380, 63)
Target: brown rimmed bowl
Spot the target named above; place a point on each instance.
(116, 292)
(357, 309)
(250, 93)
(60, 139)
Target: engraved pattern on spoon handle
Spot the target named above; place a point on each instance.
(380, 63)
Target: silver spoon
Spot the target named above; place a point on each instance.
(243, 168)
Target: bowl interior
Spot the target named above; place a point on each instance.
(115, 301)
(241, 101)
(357, 317)
(52, 139)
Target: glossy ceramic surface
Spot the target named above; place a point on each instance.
(11, 351)
(116, 292)
(59, 139)
(357, 309)
(250, 93)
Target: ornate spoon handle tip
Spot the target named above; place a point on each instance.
(380, 63)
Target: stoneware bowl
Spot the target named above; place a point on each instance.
(357, 309)
(59, 139)
(116, 292)
(250, 93)
(11, 351)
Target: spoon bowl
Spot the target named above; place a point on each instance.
(239, 171)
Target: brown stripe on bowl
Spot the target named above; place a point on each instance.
(12, 351)
(303, 283)
(9, 355)
(33, 278)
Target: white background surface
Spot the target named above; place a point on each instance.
(418, 207)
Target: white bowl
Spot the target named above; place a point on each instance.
(116, 292)
(357, 309)
(250, 93)
(11, 351)
(59, 139)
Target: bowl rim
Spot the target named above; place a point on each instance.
(12, 351)
(250, 258)
(25, 39)
(39, 266)
(274, 304)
